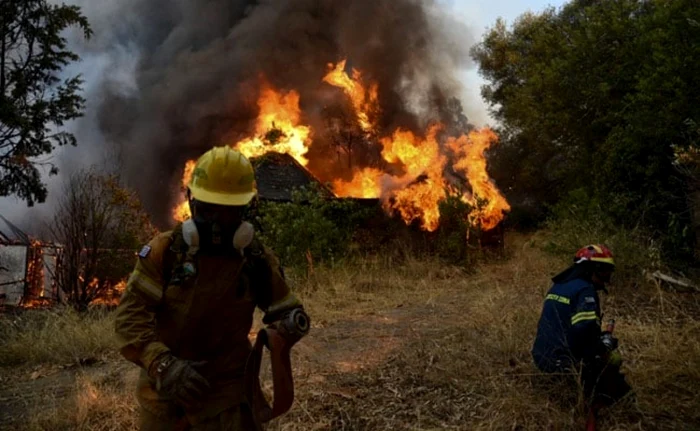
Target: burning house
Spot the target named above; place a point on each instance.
(410, 173)
(370, 110)
(278, 175)
(27, 268)
(41, 274)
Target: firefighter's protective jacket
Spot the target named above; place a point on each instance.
(204, 317)
(569, 327)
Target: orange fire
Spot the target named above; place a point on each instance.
(365, 101)
(410, 198)
(277, 128)
(182, 211)
(366, 183)
(469, 149)
(416, 183)
(111, 295)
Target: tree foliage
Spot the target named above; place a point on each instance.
(34, 102)
(100, 225)
(597, 96)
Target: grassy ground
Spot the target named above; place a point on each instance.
(396, 344)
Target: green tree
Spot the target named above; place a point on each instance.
(597, 96)
(34, 102)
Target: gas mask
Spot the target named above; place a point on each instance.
(215, 227)
(213, 236)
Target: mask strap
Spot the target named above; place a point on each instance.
(243, 236)
(191, 236)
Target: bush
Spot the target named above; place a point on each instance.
(310, 225)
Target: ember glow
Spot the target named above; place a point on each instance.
(411, 179)
(35, 269)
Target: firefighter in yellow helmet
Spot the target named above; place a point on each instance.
(188, 309)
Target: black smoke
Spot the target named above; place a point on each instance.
(200, 63)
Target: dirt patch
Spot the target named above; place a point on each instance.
(347, 346)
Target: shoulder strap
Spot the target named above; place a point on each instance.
(172, 254)
(169, 258)
(257, 269)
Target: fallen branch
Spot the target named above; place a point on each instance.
(674, 281)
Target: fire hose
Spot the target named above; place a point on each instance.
(279, 338)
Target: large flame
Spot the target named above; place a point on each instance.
(364, 100)
(366, 183)
(411, 197)
(469, 150)
(412, 182)
(277, 128)
(421, 199)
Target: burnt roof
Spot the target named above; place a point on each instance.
(278, 175)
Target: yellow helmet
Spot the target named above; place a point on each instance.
(223, 176)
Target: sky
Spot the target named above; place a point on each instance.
(479, 15)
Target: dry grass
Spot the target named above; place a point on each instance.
(100, 402)
(60, 336)
(412, 344)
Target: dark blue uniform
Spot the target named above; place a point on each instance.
(569, 328)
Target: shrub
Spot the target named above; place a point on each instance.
(310, 225)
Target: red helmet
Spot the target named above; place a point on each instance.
(595, 253)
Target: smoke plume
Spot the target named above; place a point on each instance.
(183, 75)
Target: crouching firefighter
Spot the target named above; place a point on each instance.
(188, 309)
(569, 336)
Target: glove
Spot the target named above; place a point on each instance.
(607, 340)
(615, 359)
(179, 379)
